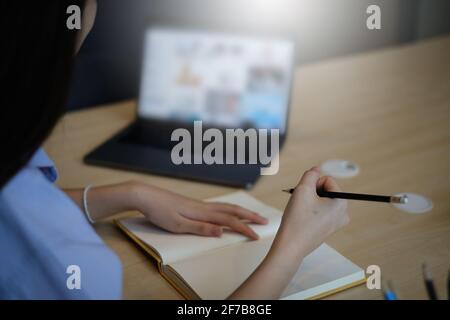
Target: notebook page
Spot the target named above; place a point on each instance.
(175, 247)
(217, 274)
(322, 271)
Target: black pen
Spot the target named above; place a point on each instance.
(448, 285)
(429, 283)
(358, 196)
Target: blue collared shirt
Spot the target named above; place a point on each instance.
(43, 234)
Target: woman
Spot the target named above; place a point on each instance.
(43, 229)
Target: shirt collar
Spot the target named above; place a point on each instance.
(41, 161)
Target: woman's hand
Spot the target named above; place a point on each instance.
(307, 221)
(179, 214)
(167, 210)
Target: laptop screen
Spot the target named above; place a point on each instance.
(224, 80)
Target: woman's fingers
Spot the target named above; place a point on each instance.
(233, 223)
(185, 225)
(213, 227)
(328, 184)
(238, 211)
(310, 177)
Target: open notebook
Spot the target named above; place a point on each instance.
(212, 268)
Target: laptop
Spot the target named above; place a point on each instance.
(211, 80)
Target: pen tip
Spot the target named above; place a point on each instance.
(404, 199)
(400, 199)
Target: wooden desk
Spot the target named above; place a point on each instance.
(388, 111)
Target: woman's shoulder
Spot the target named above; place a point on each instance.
(31, 194)
(31, 197)
(43, 228)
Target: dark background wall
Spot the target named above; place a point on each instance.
(108, 65)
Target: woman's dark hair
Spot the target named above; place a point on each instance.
(37, 52)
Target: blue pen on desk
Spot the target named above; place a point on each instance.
(388, 291)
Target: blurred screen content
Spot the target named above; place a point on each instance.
(223, 80)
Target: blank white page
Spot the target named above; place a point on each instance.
(322, 271)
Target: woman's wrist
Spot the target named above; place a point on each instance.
(105, 201)
(275, 272)
(141, 196)
(287, 247)
(137, 192)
